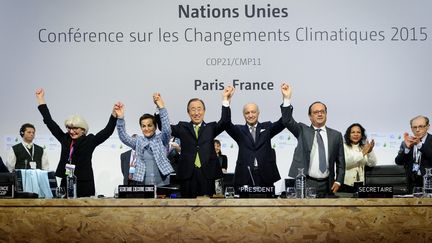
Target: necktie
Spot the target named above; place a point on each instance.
(321, 151)
(197, 158)
(253, 132)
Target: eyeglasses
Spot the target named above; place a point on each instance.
(419, 127)
(318, 112)
(72, 128)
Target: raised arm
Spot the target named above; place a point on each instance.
(225, 119)
(121, 127)
(166, 128)
(287, 116)
(105, 133)
(54, 128)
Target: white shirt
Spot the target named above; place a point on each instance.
(314, 170)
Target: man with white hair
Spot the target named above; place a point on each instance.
(256, 160)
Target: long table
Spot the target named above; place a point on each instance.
(216, 220)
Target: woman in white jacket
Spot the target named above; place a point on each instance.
(358, 153)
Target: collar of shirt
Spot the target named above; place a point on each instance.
(254, 126)
(27, 145)
(323, 128)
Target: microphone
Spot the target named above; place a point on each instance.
(25, 162)
(251, 176)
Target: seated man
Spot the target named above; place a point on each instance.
(27, 155)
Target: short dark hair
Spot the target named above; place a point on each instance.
(24, 127)
(348, 132)
(192, 100)
(148, 116)
(217, 141)
(316, 102)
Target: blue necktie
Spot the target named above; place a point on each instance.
(321, 151)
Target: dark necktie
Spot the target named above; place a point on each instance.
(321, 151)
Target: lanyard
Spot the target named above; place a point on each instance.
(71, 150)
(32, 152)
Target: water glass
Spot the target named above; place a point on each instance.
(60, 192)
(418, 191)
(116, 192)
(311, 192)
(229, 192)
(290, 192)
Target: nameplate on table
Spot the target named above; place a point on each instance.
(256, 191)
(375, 191)
(147, 191)
(6, 190)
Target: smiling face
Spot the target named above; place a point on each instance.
(148, 128)
(75, 132)
(318, 114)
(196, 111)
(251, 114)
(355, 135)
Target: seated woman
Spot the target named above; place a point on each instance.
(76, 145)
(152, 166)
(358, 153)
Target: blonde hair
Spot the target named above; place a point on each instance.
(77, 121)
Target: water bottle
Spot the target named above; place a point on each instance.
(300, 184)
(71, 181)
(152, 182)
(427, 183)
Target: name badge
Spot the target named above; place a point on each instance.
(416, 167)
(32, 165)
(69, 168)
(131, 170)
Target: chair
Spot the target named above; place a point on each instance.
(387, 175)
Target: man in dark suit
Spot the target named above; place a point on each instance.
(198, 165)
(256, 165)
(415, 152)
(126, 159)
(319, 148)
(3, 168)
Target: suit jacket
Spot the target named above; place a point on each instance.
(204, 145)
(260, 149)
(3, 168)
(125, 160)
(305, 136)
(407, 160)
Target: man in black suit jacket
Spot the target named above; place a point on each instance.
(198, 165)
(415, 152)
(256, 165)
(125, 160)
(3, 168)
(307, 153)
